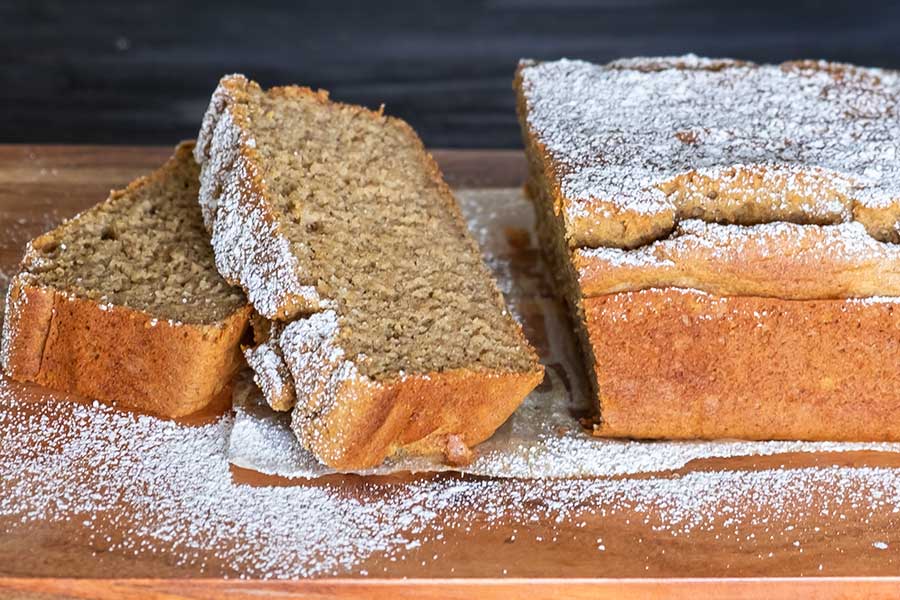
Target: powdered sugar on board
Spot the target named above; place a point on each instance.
(143, 487)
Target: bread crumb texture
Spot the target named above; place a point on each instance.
(144, 248)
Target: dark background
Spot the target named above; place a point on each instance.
(140, 72)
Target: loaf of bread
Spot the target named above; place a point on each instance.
(123, 303)
(388, 327)
(725, 236)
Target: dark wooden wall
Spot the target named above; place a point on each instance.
(140, 71)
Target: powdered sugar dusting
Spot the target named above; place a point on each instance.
(322, 375)
(636, 136)
(146, 488)
(773, 259)
(271, 373)
(250, 248)
(177, 489)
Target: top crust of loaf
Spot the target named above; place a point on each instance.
(631, 148)
(782, 260)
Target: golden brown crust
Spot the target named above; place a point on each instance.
(117, 354)
(676, 364)
(427, 414)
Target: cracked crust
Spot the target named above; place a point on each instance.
(783, 260)
(727, 276)
(804, 142)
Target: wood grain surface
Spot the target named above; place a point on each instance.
(736, 556)
(434, 589)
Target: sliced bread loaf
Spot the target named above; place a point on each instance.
(123, 302)
(335, 219)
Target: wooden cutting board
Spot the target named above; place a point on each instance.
(853, 549)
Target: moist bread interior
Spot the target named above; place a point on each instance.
(367, 217)
(145, 248)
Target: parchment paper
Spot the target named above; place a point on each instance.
(544, 437)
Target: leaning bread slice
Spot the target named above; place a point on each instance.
(335, 220)
(123, 303)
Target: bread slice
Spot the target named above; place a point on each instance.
(123, 302)
(335, 220)
(725, 235)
